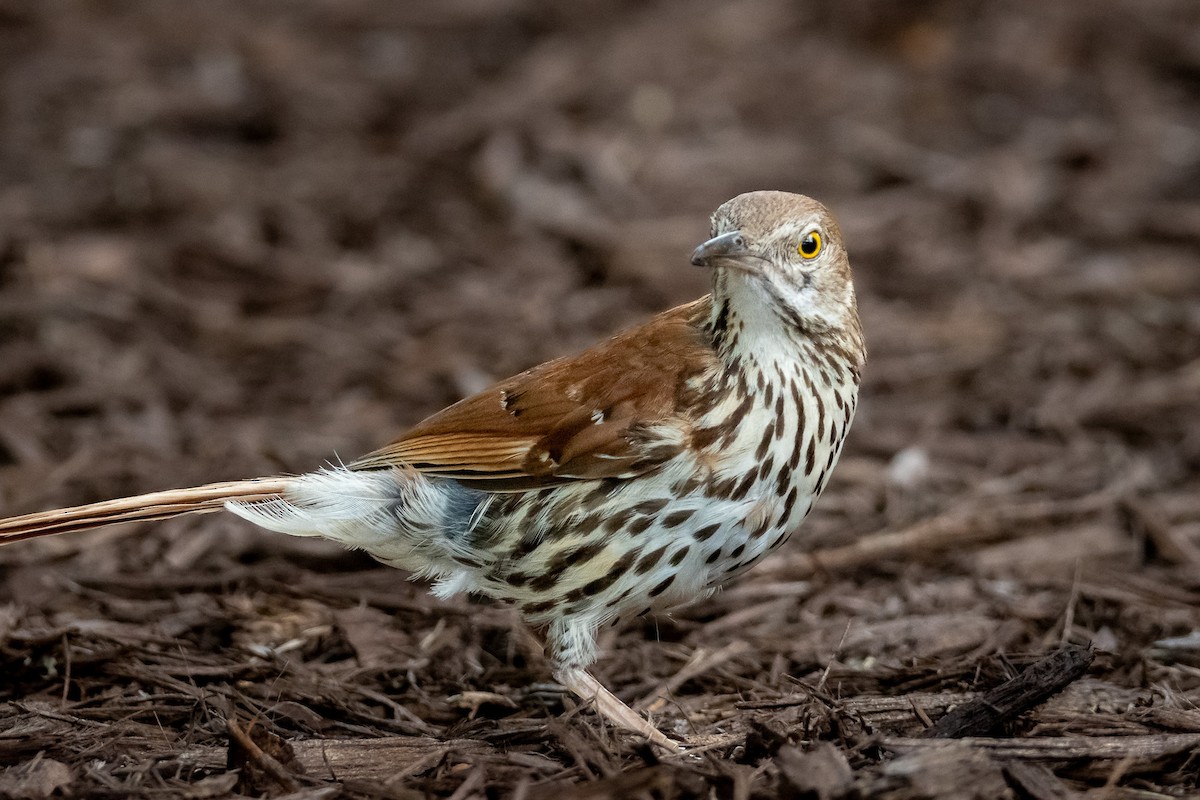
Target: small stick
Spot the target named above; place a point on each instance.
(1006, 702)
(265, 760)
(701, 661)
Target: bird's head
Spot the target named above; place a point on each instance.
(777, 254)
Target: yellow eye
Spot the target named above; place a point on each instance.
(810, 245)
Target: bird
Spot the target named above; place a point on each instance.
(637, 476)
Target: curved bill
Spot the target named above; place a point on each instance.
(727, 245)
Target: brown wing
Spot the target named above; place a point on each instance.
(613, 411)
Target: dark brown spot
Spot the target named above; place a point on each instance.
(590, 522)
(810, 456)
(602, 491)
(743, 487)
(703, 438)
(766, 468)
(539, 607)
(599, 584)
(820, 410)
(648, 561)
(835, 365)
(721, 323)
(722, 489)
(713, 556)
(706, 533)
(518, 578)
(789, 501)
(574, 556)
(737, 551)
(618, 520)
(679, 556)
(528, 543)
(768, 435)
(783, 479)
(622, 564)
(616, 601)
(677, 518)
(640, 525)
(662, 586)
(796, 398)
(735, 417)
(650, 506)
(544, 582)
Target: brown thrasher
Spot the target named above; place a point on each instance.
(639, 475)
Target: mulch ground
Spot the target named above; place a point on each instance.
(239, 238)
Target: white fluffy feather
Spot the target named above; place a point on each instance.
(398, 516)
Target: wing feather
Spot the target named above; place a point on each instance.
(614, 411)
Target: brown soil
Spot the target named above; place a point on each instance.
(240, 237)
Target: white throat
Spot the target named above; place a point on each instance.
(754, 330)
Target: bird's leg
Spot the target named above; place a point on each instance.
(609, 706)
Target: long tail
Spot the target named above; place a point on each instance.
(157, 505)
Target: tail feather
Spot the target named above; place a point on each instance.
(154, 506)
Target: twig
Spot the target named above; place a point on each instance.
(1069, 614)
(390, 759)
(1114, 777)
(701, 661)
(1062, 748)
(268, 762)
(66, 646)
(1014, 697)
(829, 667)
(472, 782)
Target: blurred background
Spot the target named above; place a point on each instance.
(241, 237)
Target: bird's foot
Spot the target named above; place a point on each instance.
(609, 706)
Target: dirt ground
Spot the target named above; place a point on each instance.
(240, 237)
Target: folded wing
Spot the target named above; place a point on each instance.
(614, 411)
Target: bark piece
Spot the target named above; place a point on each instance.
(1006, 702)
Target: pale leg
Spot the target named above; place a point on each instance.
(609, 706)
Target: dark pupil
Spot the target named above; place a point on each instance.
(809, 245)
